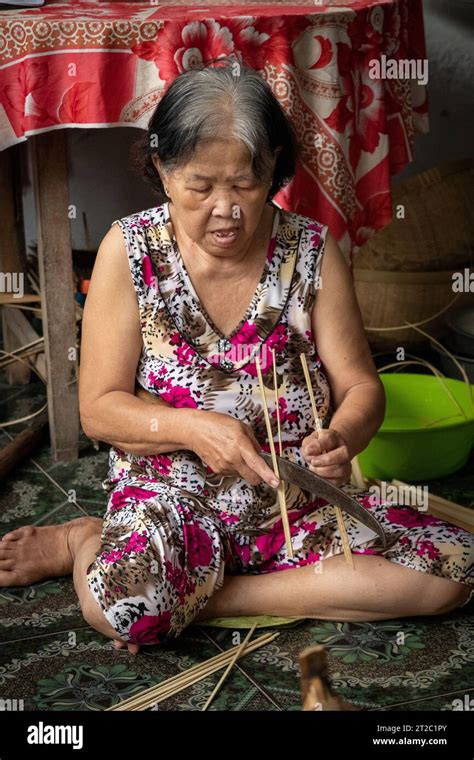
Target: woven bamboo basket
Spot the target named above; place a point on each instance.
(404, 273)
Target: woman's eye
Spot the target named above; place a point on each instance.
(200, 190)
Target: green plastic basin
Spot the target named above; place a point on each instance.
(424, 435)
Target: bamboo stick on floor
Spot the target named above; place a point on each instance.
(317, 423)
(281, 489)
(150, 697)
(239, 653)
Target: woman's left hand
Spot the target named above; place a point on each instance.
(132, 648)
(328, 456)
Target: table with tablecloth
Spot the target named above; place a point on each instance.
(107, 64)
(87, 64)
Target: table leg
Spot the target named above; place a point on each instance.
(50, 178)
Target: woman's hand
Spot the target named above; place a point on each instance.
(328, 456)
(132, 648)
(224, 444)
(229, 447)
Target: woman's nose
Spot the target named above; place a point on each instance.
(226, 207)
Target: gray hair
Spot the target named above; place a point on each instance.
(228, 101)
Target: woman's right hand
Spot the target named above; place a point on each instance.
(229, 447)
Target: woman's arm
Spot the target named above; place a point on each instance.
(142, 424)
(110, 349)
(356, 390)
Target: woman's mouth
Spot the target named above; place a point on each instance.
(225, 237)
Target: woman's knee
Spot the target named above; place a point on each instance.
(95, 617)
(447, 596)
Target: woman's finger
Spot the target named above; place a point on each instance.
(339, 472)
(325, 440)
(329, 458)
(259, 466)
(249, 475)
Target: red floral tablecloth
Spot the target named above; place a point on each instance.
(106, 64)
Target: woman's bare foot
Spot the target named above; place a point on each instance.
(30, 554)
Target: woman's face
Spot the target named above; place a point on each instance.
(215, 197)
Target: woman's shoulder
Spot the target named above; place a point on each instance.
(300, 220)
(140, 220)
(308, 229)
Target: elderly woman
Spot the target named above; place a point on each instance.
(184, 298)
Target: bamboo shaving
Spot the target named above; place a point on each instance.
(33, 414)
(451, 356)
(439, 376)
(24, 419)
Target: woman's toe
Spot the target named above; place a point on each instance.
(5, 578)
(13, 535)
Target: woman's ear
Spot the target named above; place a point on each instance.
(157, 165)
(156, 162)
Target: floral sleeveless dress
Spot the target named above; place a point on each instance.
(172, 528)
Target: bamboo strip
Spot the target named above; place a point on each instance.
(281, 487)
(19, 352)
(22, 307)
(157, 695)
(357, 475)
(6, 298)
(439, 376)
(175, 684)
(450, 356)
(317, 422)
(239, 652)
(281, 490)
(277, 405)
